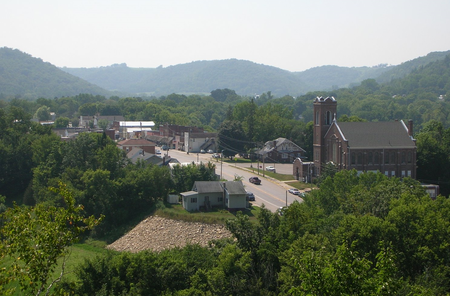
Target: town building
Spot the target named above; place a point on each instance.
(387, 147)
(280, 150)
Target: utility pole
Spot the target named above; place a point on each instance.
(221, 162)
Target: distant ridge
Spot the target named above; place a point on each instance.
(245, 77)
(29, 77)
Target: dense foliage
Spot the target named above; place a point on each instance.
(356, 235)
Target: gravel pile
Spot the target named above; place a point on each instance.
(157, 234)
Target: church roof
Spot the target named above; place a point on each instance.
(390, 134)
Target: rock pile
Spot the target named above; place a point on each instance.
(157, 234)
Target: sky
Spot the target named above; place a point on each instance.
(293, 35)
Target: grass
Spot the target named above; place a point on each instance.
(215, 216)
(78, 253)
(300, 185)
(91, 248)
(280, 177)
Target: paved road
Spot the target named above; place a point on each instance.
(272, 193)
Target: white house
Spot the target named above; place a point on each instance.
(207, 194)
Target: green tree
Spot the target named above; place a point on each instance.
(34, 238)
(232, 138)
(103, 124)
(62, 122)
(43, 113)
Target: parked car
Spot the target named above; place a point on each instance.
(250, 196)
(165, 147)
(255, 180)
(210, 151)
(294, 191)
(158, 151)
(202, 151)
(216, 155)
(270, 169)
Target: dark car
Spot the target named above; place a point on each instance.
(250, 196)
(254, 180)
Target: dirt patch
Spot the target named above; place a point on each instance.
(157, 234)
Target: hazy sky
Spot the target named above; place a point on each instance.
(292, 35)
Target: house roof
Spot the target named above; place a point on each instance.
(136, 153)
(390, 134)
(235, 187)
(136, 123)
(136, 142)
(269, 146)
(207, 186)
(189, 193)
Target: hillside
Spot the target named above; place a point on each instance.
(332, 77)
(406, 68)
(246, 78)
(29, 77)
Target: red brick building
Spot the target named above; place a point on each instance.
(143, 144)
(388, 147)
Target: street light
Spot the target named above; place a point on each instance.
(221, 161)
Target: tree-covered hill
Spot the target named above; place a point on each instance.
(29, 77)
(246, 78)
(405, 68)
(332, 77)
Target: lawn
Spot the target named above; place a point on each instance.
(216, 216)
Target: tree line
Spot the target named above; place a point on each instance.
(356, 235)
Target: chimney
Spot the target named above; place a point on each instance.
(275, 144)
(410, 127)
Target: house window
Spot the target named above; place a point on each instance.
(393, 174)
(386, 173)
(193, 200)
(403, 157)
(353, 157)
(392, 157)
(409, 173)
(409, 157)
(284, 155)
(403, 174)
(376, 158)
(219, 199)
(386, 158)
(370, 158)
(317, 117)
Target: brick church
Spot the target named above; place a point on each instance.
(387, 147)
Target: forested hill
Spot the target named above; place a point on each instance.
(408, 67)
(29, 77)
(245, 77)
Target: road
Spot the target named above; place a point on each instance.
(272, 193)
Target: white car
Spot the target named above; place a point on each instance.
(270, 169)
(294, 191)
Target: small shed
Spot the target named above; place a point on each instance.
(172, 198)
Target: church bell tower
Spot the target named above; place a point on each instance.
(324, 114)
